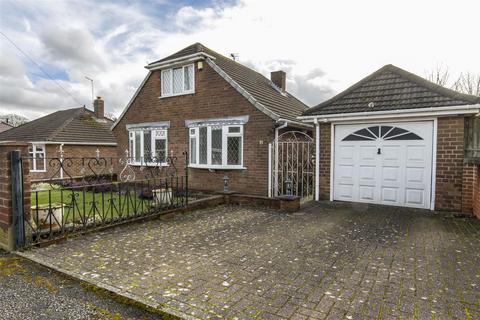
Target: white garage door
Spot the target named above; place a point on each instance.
(384, 163)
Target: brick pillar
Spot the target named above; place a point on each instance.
(6, 221)
(325, 145)
(476, 192)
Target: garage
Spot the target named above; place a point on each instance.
(384, 163)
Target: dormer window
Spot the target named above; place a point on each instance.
(178, 81)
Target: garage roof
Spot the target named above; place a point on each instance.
(391, 88)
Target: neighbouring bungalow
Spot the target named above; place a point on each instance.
(220, 111)
(395, 138)
(72, 133)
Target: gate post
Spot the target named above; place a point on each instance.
(17, 199)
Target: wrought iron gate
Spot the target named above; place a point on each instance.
(292, 165)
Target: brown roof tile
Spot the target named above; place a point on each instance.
(71, 125)
(261, 88)
(391, 88)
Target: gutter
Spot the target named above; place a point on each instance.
(423, 112)
(295, 123)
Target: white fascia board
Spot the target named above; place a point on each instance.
(149, 125)
(391, 114)
(217, 121)
(172, 62)
(131, 100)
(242, 91)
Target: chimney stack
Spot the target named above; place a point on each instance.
(98, 108)
(280, 79)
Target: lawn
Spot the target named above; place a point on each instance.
(87, 205)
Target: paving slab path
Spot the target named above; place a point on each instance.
(344, 261)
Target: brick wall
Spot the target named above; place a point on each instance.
(476, 192)
(450, 152)
(325, 152)
(71, 151)
(468, 183)
(6, 230)
(213, 98)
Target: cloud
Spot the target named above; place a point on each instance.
(70, 45)
(323, 47)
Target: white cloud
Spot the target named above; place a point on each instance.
(323, 46)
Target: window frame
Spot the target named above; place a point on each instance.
(225, 135)
(183, 92)
(33, 154)
(153, 138)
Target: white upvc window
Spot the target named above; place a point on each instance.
(178, 81)
(148, 146)
(37, 154)
(216, 146)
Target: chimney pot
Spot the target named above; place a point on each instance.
(98, 108)
(279, 78)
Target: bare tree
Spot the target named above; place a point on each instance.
(467, 82)
(440, 75)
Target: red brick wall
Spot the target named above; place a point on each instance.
(476, 192)
(71, 151)
(450, 152)
(213, 98)
(6, 234)
(469, 180)
(325, 153)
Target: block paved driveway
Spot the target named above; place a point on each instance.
(327, 262)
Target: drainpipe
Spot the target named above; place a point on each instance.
(277, 129)
(317, 160)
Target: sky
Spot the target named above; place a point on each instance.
(48, 47)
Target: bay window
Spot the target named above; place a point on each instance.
(37, 154)
(178, 81)
(216, 146)
(148, 143)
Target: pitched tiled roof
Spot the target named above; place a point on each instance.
(5, 126)
(391, 88)
(283, 104)
(72, 125)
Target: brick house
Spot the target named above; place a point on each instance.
(219, 110)
(77, 132)
(395, 138)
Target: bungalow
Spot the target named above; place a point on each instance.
(72, 133)
(395, 138)
(220, 111)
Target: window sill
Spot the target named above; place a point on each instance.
(176, 95)
(214, 167)
(38, 171)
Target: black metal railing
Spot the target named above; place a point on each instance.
(81, 194)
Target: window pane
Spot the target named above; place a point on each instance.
(203, 145)
(138, 147)
(166, 82)
(147, 146)
(40, 161)
(130, 149)
(161, 150)
(193, 150)
(216, 145)
(177, 80)
(234, 150)
(188, 78)
(234, 130)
